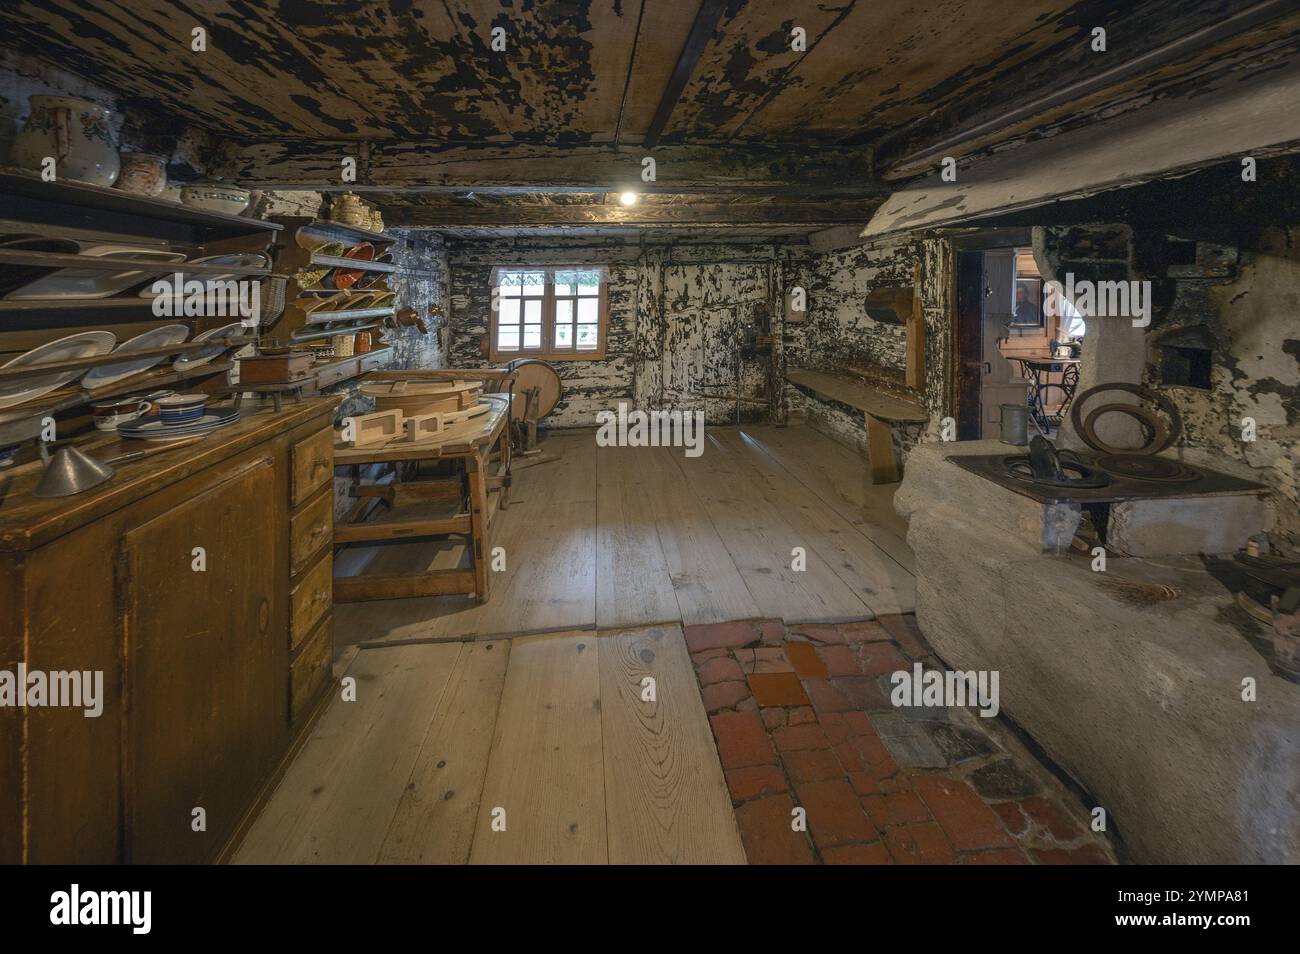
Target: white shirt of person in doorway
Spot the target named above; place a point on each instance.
(1072, 324)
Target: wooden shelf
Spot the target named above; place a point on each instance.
(23, 422)
(325, 317)
(337, 231)
(111, 357)
(116, 202)
(301, 335)
(116, 302)
(105, 262)
(351, 264)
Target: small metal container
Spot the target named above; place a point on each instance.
(1015, 424)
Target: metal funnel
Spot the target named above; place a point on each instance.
(70, 472)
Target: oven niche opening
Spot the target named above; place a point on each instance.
(1185, 367)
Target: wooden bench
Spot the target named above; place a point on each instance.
(880, 409)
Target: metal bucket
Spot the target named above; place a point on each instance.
(1015, 424)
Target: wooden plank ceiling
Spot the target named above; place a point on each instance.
(586, 88)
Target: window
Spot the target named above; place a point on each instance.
(556, 312)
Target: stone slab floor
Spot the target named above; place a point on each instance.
(801, 716)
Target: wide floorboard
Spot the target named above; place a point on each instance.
(572, 747)
(767, 522)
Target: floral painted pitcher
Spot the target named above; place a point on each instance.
(76, 133)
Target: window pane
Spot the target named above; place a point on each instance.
(532, 312)
(563, 312)
(532, 336)
(509, 283)
(508, 338)
(588, 283)
(508, 311)
(587, 337)
(534, 283)
(566, 283)
(564, 336)
(588, 310)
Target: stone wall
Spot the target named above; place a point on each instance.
(839, 333)
(676, 316)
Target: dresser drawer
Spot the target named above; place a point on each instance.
(341, 372)
(310, 529)
(312, 464)
(372, 362)
(310, 599)
(310, 669)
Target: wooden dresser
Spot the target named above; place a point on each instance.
(208, 674)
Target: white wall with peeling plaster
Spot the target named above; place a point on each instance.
(676, 317)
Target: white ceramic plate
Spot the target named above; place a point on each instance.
(152, 429)
(195, 358)
(107, 374)
(86, 344)
(233, 259)
(94, 282)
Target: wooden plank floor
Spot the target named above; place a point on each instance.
(616, 537)
(542, 749)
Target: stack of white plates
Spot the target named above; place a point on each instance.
(152, 429)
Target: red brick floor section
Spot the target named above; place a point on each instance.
(777, 689)
(768, 833)
(814, 780)
(742, 740)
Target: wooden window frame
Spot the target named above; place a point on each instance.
(548, 351)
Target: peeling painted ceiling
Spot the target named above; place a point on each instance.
(581, 70)
(285, 85)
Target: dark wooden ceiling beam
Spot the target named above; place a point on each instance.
(902, 155)
(526, 167)
(400, 211)
(706, 21)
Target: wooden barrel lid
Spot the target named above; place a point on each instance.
(422, 397)
(535, 374)
(434, 388)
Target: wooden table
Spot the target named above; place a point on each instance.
(472, 444)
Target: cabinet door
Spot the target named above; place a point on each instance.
(206, 693)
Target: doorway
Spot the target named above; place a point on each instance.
(999, 308)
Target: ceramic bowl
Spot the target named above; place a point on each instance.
(181, 408)
(216, 197)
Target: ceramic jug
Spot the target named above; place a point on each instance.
(76, 133)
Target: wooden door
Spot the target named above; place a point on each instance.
(205, 697)
(996, 372)
(970, 342)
